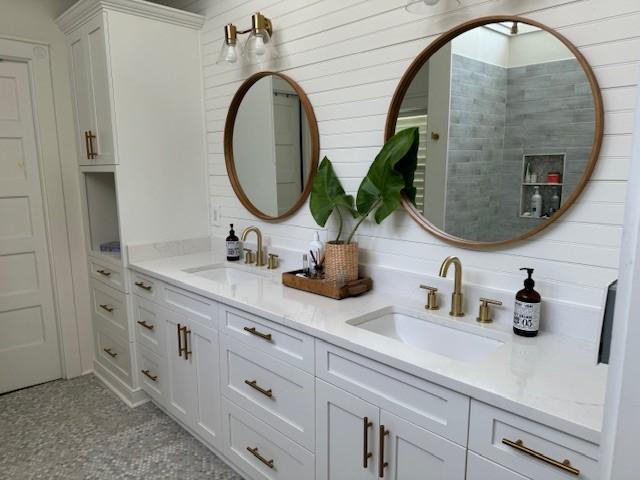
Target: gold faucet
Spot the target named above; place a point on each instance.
(456, 296)
(259, 254)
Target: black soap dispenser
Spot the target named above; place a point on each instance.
(526, 314)
(233, 246)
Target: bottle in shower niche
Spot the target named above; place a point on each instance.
(526, 313)
(536, 203)
(233, 246)
(555, 200)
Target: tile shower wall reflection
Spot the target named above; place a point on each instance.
(492, 127)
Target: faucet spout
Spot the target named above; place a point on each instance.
(456, 296)
(260, 253)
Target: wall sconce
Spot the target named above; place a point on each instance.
(258, 46)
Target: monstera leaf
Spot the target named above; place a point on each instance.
(391, 173)
(327, 195)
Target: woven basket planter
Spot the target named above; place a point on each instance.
(341, 261)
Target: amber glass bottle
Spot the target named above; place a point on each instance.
(526, 314)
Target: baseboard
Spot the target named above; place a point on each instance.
(132, 397)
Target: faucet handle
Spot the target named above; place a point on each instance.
(273, 262)
(484, 315)
(248, 255)
(432, 297)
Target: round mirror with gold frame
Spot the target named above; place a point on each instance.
(511, 122)
(271, 145)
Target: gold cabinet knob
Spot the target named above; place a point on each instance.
(273, 262)
(435, 136)
(432, 297)
(248, 255)
(484, 315)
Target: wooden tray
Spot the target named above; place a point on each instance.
(327, 288)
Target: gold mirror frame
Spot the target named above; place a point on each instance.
(423, 57)
(228, 145)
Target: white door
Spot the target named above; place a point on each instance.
(346, 432)
(413, 453)
(28, 333)
(181, 398)
(203, 342)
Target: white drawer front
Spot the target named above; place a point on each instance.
(425, 404)
(275, 392)
(145, 287)
(148, 325)
(490, 426)
(261, 451)
(113, 353)
(193, 306)
(109, 308)
(152, 374)
(277, 340)
(479, 468)
(107, 274)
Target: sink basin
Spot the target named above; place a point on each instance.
(416, 330)
(226, 274)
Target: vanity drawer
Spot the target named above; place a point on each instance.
(423, 403)
(109, 308)
(277, 340)
(260, 450)
(145, 286)
(275, 392)
(152, 372)
(489, 426)
(106, 273)
(194, 306)
(113, 353)
(479, 468)
(148, 326)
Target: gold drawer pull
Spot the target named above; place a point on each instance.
(143, 286)
(107, 308)
(145, 324)
(254, 384)
(110, 353)
(104, 272)
(366, 454)
(256, 453)
(564, 465)
(88, 139)
(253, 331)
(381, 463)
(147, 373)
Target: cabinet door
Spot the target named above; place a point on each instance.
(181, 398)
(346, 432)
(82, 95)
(413, 453)
(203, 342)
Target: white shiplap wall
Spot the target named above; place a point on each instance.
(348, 55)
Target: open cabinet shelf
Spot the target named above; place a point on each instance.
(102, 213)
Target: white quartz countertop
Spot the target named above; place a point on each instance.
(550, 379)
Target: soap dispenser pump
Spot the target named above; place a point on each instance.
(526, 314)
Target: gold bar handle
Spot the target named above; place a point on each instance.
(564, 465)
(253, 331)
(256, 453)
(180, 349)
(104, 272)
(86, 145)
(143, 286)
(145, 324)
(147, 373)
(107, 308)
(381, 463)
(110, 353)
(89, 137)
(254, 384)
(186, 337)
(366, 454)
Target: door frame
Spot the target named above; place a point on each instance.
(37, 57)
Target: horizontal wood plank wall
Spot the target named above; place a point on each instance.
(349, 55)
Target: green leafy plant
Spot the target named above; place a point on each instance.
(391, 173)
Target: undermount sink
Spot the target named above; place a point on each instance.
(225, 273)
(416, 330)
